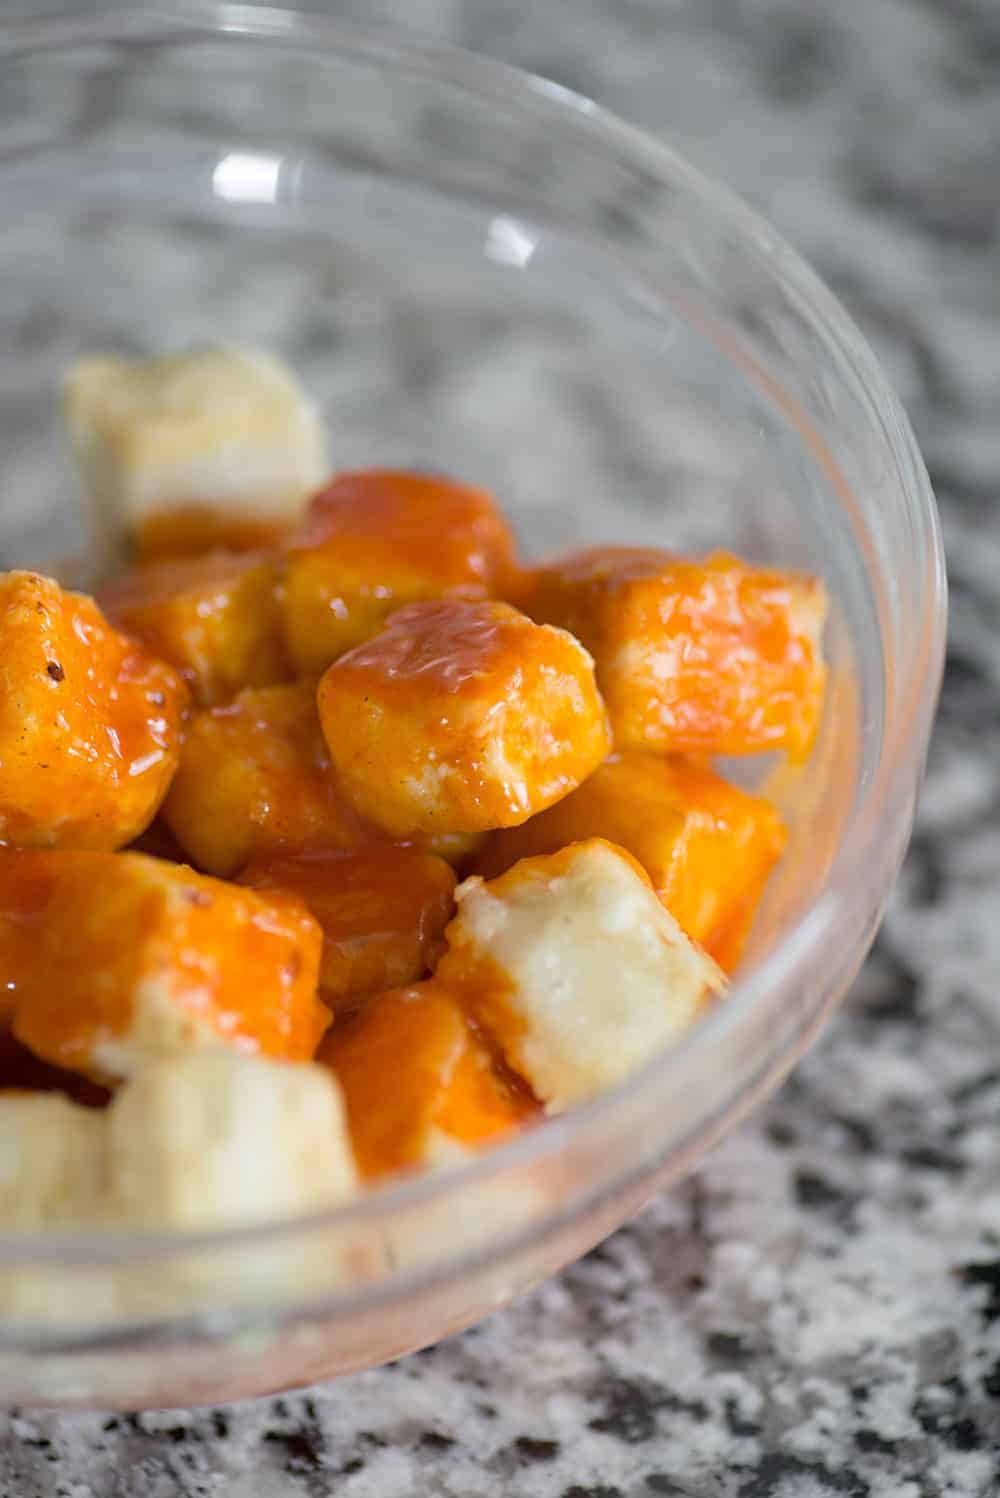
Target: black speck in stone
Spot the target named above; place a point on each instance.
(813, 1190)
(969, 697)
(631, 1409)
(861, 1134)
(695, 1283)
(927, 1157)
(926, 879)
(769, 1475)
(964, 1435)
(528, 1449)
(488, 1411)
(600, 1491)
(735, 1422)
(870, 1441)
(178, 1434)
(304, 1443)
(356, 1464)
(728, 1346)
(986, 1274)
(781, 1134)
(432, 1440)
(896, 987)
(968, 1092)
(991, 1382)
(220, 1424)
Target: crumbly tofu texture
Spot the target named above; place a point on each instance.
(90, 723)
(254, 778)
(707, 846)
(709, 657)
(215, 618)
(377, 540)
(137, 959)
(217, 1140)
(420, 1086)
(382, 910)
(573, 965)
(218, 426)
(461, 717)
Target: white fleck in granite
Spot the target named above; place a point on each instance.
(818, 1312)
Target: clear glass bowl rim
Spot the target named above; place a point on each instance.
(909, 708)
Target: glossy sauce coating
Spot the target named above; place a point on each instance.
(215, 618)
(138, 957)
(712, 657)
(187, 531)
(460, 717)
(254, 777)
(707, 846)
(382, 909)
(417, 1078)
(374, 541)
(90, 723)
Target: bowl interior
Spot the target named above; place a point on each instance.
(478, 275)
(396, 240)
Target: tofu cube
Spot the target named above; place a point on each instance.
(575, 968)
(382, 910)
(222, 1140)
(218, 1141)
(137, 958)
(707, 846)
(711, 657)
(53, 1174)
(419, 1085)
(254, 777)
(377, 540)
(52, 1163)
(461, 717)
(90, 723)
(215, 618)
(223, 430)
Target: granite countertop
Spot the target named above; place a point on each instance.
(818, 1310)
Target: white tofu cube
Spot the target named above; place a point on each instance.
(51, 1161)
(217, 1140)
(217, 427)
(576, 968)
(52, 1178)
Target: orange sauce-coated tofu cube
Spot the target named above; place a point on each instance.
(188, 531)
(419, 1084)
(707, 846)
(138, 958)
(215, 618)
(89, 722)
(26, 883)
(461, 717)
(377, 540)
(382, 909)
(255, 776)
(711, 657)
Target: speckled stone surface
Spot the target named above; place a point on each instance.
(818, 1311)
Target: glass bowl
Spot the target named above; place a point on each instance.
(474, 271)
